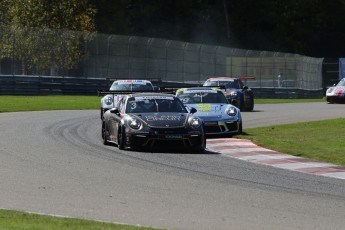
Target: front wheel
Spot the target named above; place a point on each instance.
(104, 134)
(200, 149)
(121, 139)
(240, 128)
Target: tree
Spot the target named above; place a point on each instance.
(34, 32)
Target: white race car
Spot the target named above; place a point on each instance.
(122, 86)
(336, 93)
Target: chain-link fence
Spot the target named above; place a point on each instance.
(44, 52)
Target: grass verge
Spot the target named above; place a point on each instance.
(319, 140)
(35, 103)
(15, 220)
(61, 102)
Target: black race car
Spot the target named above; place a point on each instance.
(235, 91)
(153, 120)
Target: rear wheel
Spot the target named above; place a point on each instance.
(250, 106)
(241, 104)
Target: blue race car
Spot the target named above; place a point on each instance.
(218, 115)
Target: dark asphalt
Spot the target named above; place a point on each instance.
(54, 162)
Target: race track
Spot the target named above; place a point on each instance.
(55, 163)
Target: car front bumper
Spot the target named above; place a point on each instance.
(227, 127)
(165, 139)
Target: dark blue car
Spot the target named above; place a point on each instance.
(235, 91)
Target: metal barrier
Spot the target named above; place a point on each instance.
(63, 53)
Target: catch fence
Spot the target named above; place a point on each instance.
(62, 53)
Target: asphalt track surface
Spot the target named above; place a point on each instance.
(54, 162)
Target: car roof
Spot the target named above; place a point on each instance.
(150, 94)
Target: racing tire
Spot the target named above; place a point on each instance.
(240, 128)
(121, 139)
(241, 104)
(102, 112)
(251, 105)
(200, 149)
(330, 100)
(104, 134)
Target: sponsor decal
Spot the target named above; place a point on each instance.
(124, 82)
(203, 107)
(201, 91)
(142, 98)
(228, 91)
(339, 91)
(163, 118)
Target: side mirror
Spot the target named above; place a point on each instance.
(193, 110)
(245, 87)
(115, 111)
(155, 88)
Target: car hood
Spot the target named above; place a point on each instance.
(213, 110)
(163, 119)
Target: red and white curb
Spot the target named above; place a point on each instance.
(248, 151)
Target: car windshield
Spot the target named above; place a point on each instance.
(341, 83)
(209, 96)
(227, 84)
(124, 86)
(155, 104)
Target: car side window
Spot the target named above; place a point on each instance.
(121, 105)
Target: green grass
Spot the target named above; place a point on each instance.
(319, 140)
(35, 103)
(15, 220)
(275, 101)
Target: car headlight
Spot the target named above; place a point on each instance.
(330, 90)
(134, 123)
(232, 111)
(108, 100)
(233, 94)
(195, 123)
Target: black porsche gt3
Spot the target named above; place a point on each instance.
(153, 120)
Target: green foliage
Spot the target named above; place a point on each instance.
(310, 27)
(30, 32)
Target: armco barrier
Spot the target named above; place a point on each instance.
(39, 85)
(47, 85)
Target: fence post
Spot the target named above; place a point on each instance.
(108, 45)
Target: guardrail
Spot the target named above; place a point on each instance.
(42, 85)
(47, 85)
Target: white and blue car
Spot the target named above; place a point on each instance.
(218, 115)
(119, 87)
